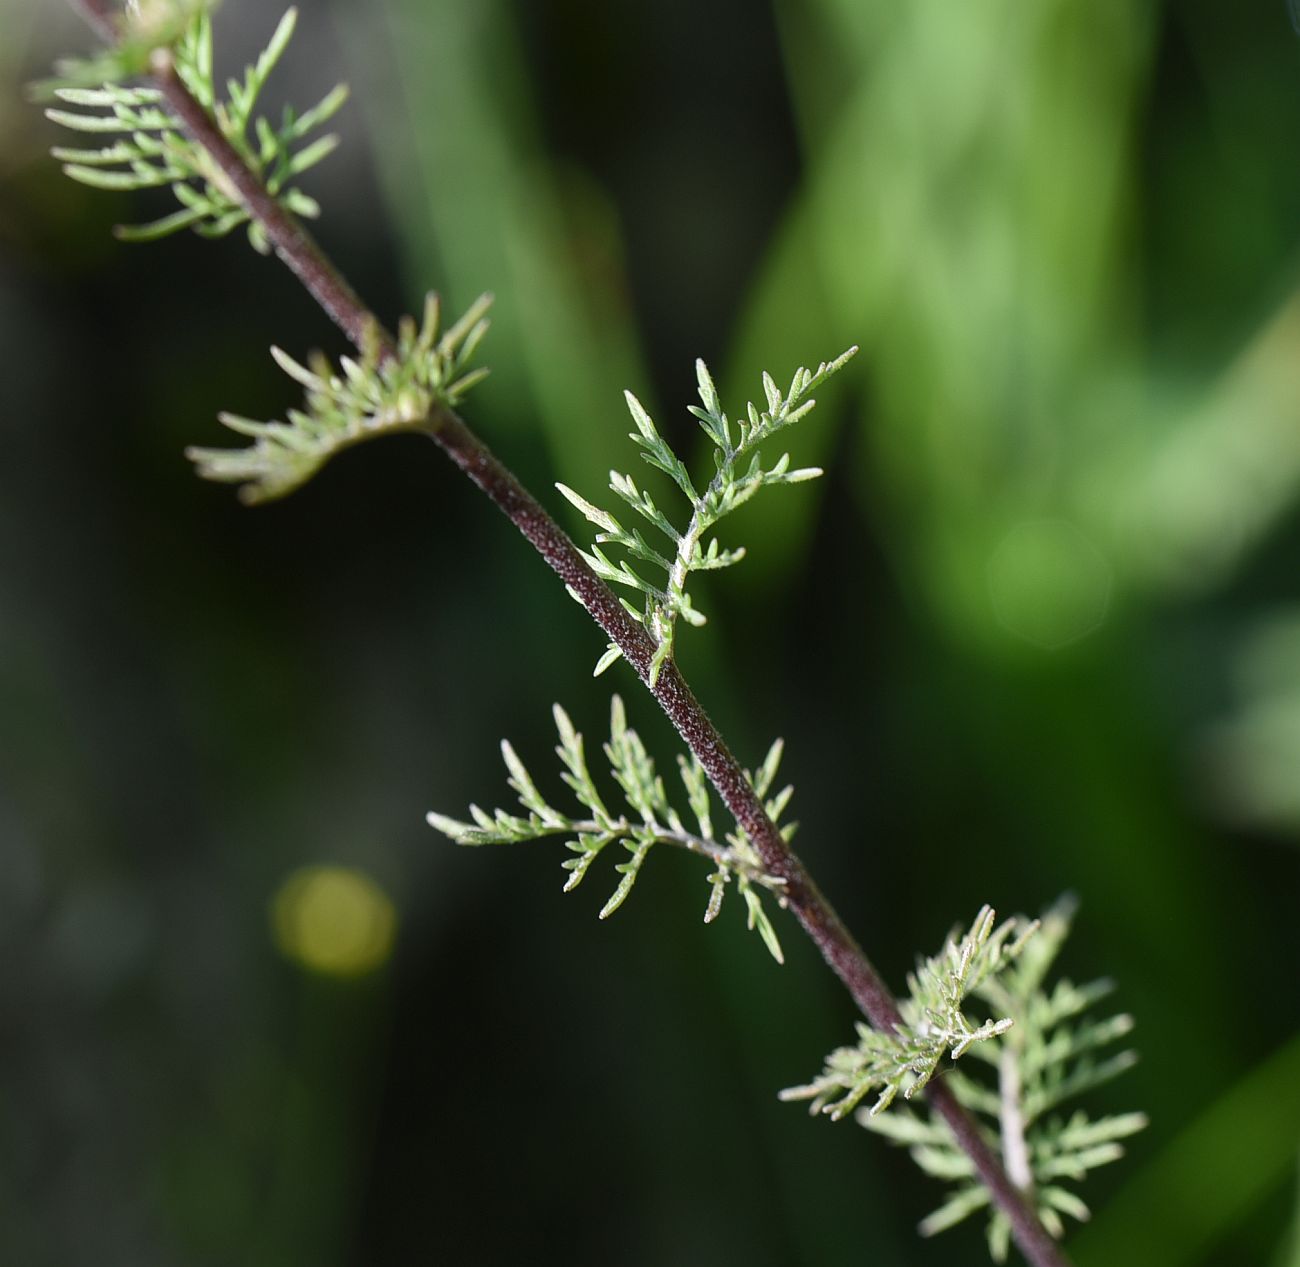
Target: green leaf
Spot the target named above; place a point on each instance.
(171, 158)
(156, 229)
(629, 871)
(322, 112)
(934, 1021)
(100, 179)
(612, 653)
(758, 919)
(651, 819)
(309, 156)
(954, 1210)
(1048, 1054)
(739, 474)
(373, 396)
(602, 519)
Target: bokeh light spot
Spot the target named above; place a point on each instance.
(334, 920)
(1048, 583)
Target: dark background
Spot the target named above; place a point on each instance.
(1036, 631)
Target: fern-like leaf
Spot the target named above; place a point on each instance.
(739, 474)
(650, 819)
(150, 147)
(1054, 1052)
(935, 1024)
(376, 395)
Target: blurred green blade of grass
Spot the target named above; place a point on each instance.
(478, 207)
(1191, 1196)
(965, 209)
(983, 259)
(1216, 481)
(788, 321)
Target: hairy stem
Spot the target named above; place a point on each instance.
(300, 252)
(292, 243)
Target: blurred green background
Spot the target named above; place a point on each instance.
(1037, 630)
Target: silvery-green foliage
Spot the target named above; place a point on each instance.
(649, 819)
(151, 148)
(738, 475)
(1054, 1052)
(934, 1025)
(376, 395)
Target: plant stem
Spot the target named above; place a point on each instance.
(658, 834)
(300, 252)
(292, 243)
(677, 700)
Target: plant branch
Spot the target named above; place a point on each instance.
(300, 252)
(291, 241)
(625, 829)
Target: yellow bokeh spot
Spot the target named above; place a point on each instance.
(334, 920)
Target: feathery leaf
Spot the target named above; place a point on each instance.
(377, 395)
(1050, 1056)
(934, 1024)
(154, 148)
(739, 475)
(651, 820)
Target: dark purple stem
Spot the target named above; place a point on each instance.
(292, 243)
(298, 249)
(676, 698)
(818, 917)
